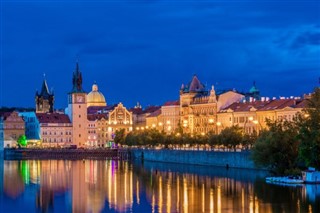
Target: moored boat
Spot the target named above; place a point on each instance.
(287, 180)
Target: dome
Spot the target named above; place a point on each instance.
(95, 98)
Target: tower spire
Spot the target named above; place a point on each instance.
(77, 80)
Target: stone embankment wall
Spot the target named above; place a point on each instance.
(21, 154)
(211, 158)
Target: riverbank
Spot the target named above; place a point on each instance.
(70, 154)
(206, 158)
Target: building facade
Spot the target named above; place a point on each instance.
(103, 122)
(12, 127)
(252, 116)
(55, 129)
(199, 107)
(170, 116)
(77, 110)
(45, 99)
(32, 127)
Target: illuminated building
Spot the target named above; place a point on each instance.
(199, 107)
(95, 98)
(103, 122)
(139, 115)
(153, 121)
(170, 116)
(45, 99)
(55, 129)
(252, 116)
(77, 110)
(11, 127)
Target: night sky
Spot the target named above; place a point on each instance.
(144, 50)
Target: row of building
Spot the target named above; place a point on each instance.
(89, 121)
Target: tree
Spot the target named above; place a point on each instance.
(309, 134)
(277, 147)
(231, 136)
(22, 141)
(120, 137)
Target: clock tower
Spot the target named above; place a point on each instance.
(77, 109)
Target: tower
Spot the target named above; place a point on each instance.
(44, 100)
(77, 109)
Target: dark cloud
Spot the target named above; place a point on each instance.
(307, 38)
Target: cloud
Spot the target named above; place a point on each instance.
(306, 38)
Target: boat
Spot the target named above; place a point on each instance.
(311, 175)
(286, 180)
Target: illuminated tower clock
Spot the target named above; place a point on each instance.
(77, 109)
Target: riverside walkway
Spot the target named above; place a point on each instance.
(68, 154)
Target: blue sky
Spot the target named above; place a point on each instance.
(144, 50)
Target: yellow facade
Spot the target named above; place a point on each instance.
(170, 117)
(253, 116)
(102, 127)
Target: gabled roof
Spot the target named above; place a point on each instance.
(302, 103)
(265, 105)
(278, 104)
(172, 103)
(44, 93)
(195, 85)
(155, 113)
(52, 118)
(151, 109)
(93, 117)
(248, 106)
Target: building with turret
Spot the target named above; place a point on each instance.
(77, 109)
(45, 99)
(199, 106)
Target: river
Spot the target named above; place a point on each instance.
(125, 186)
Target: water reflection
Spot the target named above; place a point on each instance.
(120, 186)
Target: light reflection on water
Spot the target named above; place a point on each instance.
(121, 186)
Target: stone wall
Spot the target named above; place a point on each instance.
(212, 158)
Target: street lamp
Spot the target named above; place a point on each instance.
(257, 122)
(245, 123)
(161, 124)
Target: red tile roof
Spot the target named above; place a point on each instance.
(266, 105)
(278, 104)
(302, 103)
(53, 118)
(240, 107)
(151, 109)
(172, 103)
(93, 117)
(155, 113)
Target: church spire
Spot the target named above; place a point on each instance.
(77, 80)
